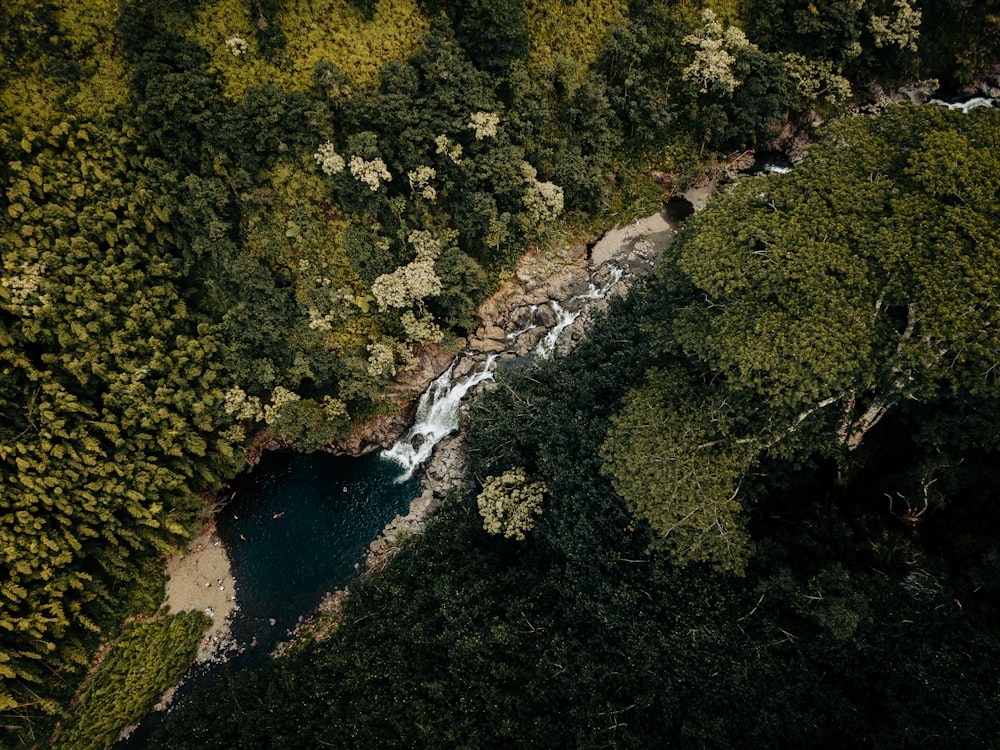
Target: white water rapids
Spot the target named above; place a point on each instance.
(438, 409)
(437, 416)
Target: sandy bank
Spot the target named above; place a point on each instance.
(202, 579)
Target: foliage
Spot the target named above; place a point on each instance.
(570, 34)
(169, 241)
(508, 503)
(355, 40)
(147, 658)
(109, 388)
(795, 319)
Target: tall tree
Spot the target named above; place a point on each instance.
(799, 310)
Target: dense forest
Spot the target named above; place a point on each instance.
(758, 502)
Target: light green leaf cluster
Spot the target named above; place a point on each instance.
(413, 282)
(371, 172)
(422, 330)
(237, 45)
(240, 406)
(328, 159)
(901, 29)
(715, 56)
(406, 285)
(449, 148)
(387, 357)
(815, 79)
(484, 124)
(543, 201)
(510, 504)
(314, 30)
(420, 179)
(281, 398)
(24, 284)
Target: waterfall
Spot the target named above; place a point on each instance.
(438, 409)
(564, 318)
(966, 106)
(437, 416)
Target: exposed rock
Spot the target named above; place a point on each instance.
(384, 430)
(612, 243)
(527, 341)
(378, 433)
(491, 332)
(432, 360)
(544, 316)
(488, 346)
(465, 366)
(793, 142)
(521, 318)
(919, 92)
(564, 284)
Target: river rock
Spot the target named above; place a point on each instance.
(447, 468)
(466, 365)
(522, 318)
(564, 284)
(488, 346)
(544, 316)
(527, 341)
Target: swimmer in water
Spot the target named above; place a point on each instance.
(278, 515)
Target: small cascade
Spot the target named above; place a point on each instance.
(966, 106)
(615, 275)
(564, 318)
(437, 416)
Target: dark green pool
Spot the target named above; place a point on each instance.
(297, 527)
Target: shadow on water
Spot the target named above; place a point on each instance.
(295, 529)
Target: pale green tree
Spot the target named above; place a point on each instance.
(510, 504)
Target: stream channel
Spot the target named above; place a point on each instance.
(299, 525)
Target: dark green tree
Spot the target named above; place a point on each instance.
(799, 310)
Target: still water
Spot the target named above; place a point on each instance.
(297, 526)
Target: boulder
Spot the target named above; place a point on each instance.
(487, 346)
(527, 341)
(545, 316)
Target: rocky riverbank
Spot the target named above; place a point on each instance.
(544, 311)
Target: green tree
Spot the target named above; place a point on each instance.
(799, 310)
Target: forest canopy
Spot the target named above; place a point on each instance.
(840, 620)
(794, 319)
(229, 223)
